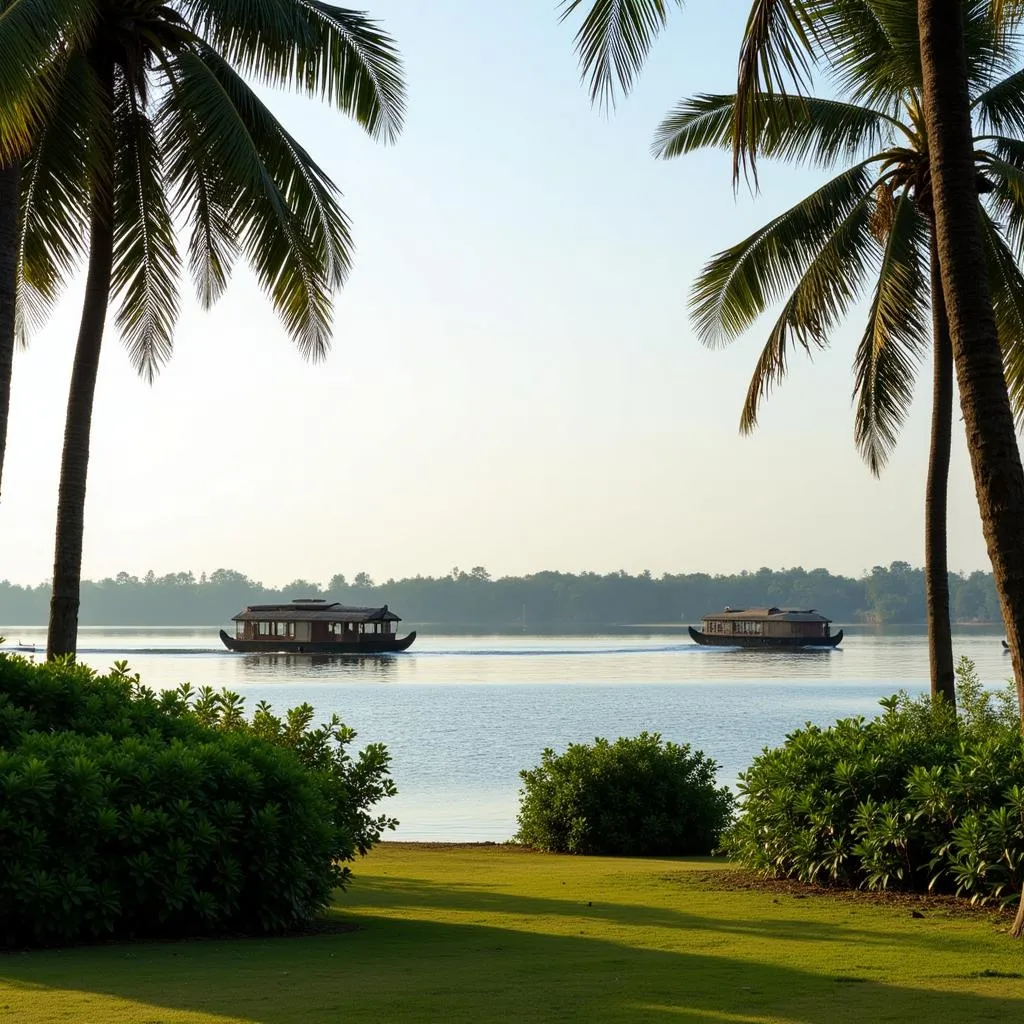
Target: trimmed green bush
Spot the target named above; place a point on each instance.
(127, 813)
(916, 799)
(634, 797)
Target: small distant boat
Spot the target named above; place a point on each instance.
(316, 626)
(23, 648)
(766, 628)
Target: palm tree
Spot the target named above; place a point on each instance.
(783, 38)
(150, 119)
(876, 218)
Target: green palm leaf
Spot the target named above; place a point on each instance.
(1001, 108)
(33, 34)
(145, 268)
(284, 208)
(776, 55)
(1005, 168)
(871, 48)
(898, 331)
(337, 54)
(614, 40)
(816, 130)
(737, 285)
(201, 196)
(53, 225)
(822, 297)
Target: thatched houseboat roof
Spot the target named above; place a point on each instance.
(310, 610)
(770, 614)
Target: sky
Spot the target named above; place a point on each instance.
(513, 382)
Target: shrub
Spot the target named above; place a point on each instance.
(914, 799)
(636, 796)
(126, 813)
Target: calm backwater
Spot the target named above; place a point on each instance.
(461, 715)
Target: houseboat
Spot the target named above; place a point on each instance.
(766, 628)
(316, 626)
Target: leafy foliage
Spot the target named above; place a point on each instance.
(915, 799)
(637, 796)
(127, 812)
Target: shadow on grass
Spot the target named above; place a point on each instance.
(392, 891)
(421, 970)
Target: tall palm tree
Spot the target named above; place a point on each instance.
(150, 119)
(782, 40)
(875, 219)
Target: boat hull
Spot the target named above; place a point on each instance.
(274, 645)
(769, 643)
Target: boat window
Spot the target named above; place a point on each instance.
(240, 630)
(284, 628)
(263, 628)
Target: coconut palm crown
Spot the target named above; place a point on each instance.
(870, 222)
(147, 104)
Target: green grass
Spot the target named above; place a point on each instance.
(492, 933)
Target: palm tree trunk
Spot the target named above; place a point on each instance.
(62, 636)
(10, 182)
(936, 570)
(995, 458)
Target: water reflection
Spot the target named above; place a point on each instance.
(338, 666)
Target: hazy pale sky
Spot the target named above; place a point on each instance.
(514, 382)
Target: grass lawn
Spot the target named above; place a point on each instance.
(460, 934)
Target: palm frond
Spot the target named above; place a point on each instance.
(1001, 108)
(200, 194)
(871, 49)
(896, 335)
(776, 57)
(340, 55)
(1005, 168)
(614, 39)
(53, 222)
(738, 284)
(33, 35)
(1007, 285)
(284, 208)
(145, 268)
(813, 130)
(820, 300)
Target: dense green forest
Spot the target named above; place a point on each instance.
(885, 595)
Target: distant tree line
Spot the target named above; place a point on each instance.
(885, 595)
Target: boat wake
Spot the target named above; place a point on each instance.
(126, 651)
(542, 652)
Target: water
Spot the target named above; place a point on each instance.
(461, 715)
